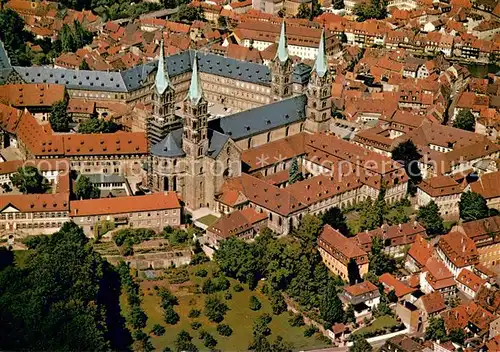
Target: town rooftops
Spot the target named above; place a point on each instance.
(459, 249)
(488, 185)
(479, 230)
(400, 234)
(470, 280)
(392, 283)
(128, 204)
(433, 302)
(441, 186)
(105, 143)
(330, 240)
(361, 289)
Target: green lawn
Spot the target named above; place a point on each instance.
(208, 220)
(385, 321)
(239, 317)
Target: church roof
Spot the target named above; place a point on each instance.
(321, 63)
(171, 145)
(282, 52)
(161, 80)
(261, 119)
(195, 92)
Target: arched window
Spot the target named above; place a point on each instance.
(174, 183)
(268, 137)
(287, 131)
(249, 143)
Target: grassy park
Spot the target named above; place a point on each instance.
(240, 317)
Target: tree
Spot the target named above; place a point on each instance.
(158, 330)
(465, 120)
(281, 345)
(375, 9)
(260, 326)
(224, 330)
(371, 215)
(472, 206)
(436, 330)
(429, 216)
(336, 219)
(304, 11)
(137, 318)
(84, 189)
(84, 65)
(254, 303)
(282, 12)
(338, 4)
(350, 316)
(379, 261)
(331, 307)
(308, 230)
(68, 286)
(67, 39)
(222, 22)
(359, 344)
(278, 304)
(294, 173)
(391, 296)
(215, 308)
(14, 37)
(209, 341)
(59, 118)
(29, 180)
(408, 155)
(457, 336)
(353, 272)
(187, 13)
(170, 316)
(183, 342)
(97, 125)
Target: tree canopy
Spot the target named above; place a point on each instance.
(472, 206)
(436, 330)
(96, 125)
(84, 189)
(59, 118)
(465, 120)
(407, 154)
(374, 9)
(14, 37)
(189, 14)
(29, 180)
(360, 344)
(65, 297)
(431, 219)
(294, 173)
(336, 219)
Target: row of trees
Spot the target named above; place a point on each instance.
(63, 297)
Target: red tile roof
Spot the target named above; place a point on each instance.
(488, 185)
(433, 302)
(28, 203)
(236, 222)
(420, 251)
(470, 280)
(459, 249)
(105, 144)
(129, 204)
(391, 283)
(361, 288)
(332, 239)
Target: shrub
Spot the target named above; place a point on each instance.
(209, 341)
(310, 330)
(237, 288)
(254, 303)
(158, 330)
(195, 325)
(170, 316)
(228, 296)
(201, 273)
(194, 313)
(224, 330)
(296, 320)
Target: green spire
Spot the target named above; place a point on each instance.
(161, 80)
(321, 63)
(282, 52)
(195, 93)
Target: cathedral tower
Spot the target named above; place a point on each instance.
(281, 70)
(319, 102)
(163, 119)
(195, 143)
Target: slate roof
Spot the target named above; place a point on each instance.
(171, 145)
(261, 119)
(5, 66)
(132, 78)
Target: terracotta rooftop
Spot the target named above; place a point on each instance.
(28, 203)
(330, 239)
(488, 185)
(420, 251)
(32, 95)
(459, 249)
(458, 317)
(440, 186)
(433, 302)
(129, 204)
(361, 288)
(236, 222)
(391, 283)
(400, 234)
(470, 280)
(105, 143)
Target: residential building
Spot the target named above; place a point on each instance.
(444, 191)
(488, 186)
(430, 305)
(469, 283)
(337, 251)
(435, 276)
(418, 255)
(402, 343)
(363, 297)
(391, 283)
(457, 252)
